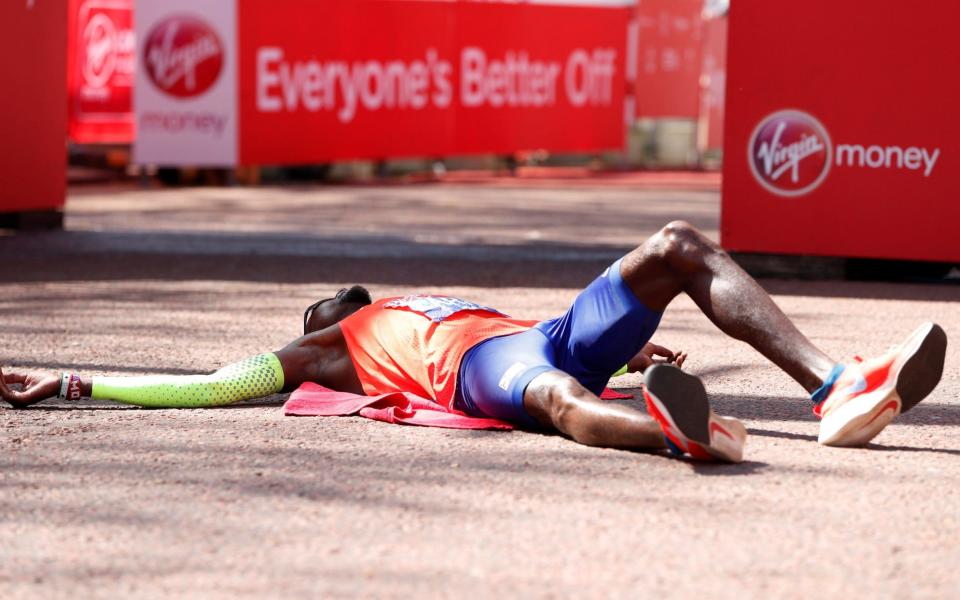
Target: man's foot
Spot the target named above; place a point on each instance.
(678, 402)
(868, 395)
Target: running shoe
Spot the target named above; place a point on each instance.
(869, 394)
(679, 404)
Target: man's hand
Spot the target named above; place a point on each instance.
(34, 387)
(648, 356)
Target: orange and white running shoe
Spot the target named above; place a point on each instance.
(679, 404)
(869, 394)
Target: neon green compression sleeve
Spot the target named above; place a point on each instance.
(253, 377)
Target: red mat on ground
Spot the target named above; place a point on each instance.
(312, 400)
(608, 394)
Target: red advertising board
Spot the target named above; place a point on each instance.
(842, 131)
(100, 70)
(33, 160)
(372, 79)
(668, 74)
(713, 80)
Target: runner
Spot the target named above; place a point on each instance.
(549, 374)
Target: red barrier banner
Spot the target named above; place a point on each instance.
(329, 80)
(100, 70)
(668, 76)
(33, 158)
(713, 81)
(842, 135)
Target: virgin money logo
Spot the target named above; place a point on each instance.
(101, 46)
(789, 153)
(183, 56)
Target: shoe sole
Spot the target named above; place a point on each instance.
(914, 375)
(682, 401)
(922, 371)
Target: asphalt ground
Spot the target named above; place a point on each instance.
(106, 501)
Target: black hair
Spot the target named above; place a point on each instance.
(355, 295)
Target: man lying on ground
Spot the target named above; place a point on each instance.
(549, 374)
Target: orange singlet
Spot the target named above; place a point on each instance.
(415, 343)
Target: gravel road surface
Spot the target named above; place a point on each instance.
(106, 501)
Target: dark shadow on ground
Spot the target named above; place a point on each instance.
(322, 271)
(87, 256)
(799, 409)
(786, 435)
(884, 448)
(722, 469)
(374, 259)
(871, 446)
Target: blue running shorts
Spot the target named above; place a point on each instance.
(604, 328)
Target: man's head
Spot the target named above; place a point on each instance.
(326, 312)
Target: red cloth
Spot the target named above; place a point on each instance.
(312, 400)
(609, 394)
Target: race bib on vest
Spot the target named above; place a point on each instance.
(437, 308)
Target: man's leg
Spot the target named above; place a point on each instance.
(855, 401)
(558, 401)
(681, 259)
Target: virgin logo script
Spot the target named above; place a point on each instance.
(109, 49)
(183, 56)
(789, 153)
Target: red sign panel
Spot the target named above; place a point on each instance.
(713, 81)
(668, 74)
(33, 161)
(101, 58)
(371, 79)
(842, 136)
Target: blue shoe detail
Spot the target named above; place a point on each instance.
(821, 393)
(673, 448)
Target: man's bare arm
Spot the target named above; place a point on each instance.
(254, 377)
(320, 357)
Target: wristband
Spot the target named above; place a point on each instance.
(69, 387)
(64, 382)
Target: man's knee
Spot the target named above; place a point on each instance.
(575, 412)
(565, 400)
(556, 399)
(681, 242)
(682, 237)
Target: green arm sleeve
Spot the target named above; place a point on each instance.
(621, 371)
(253, 377)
